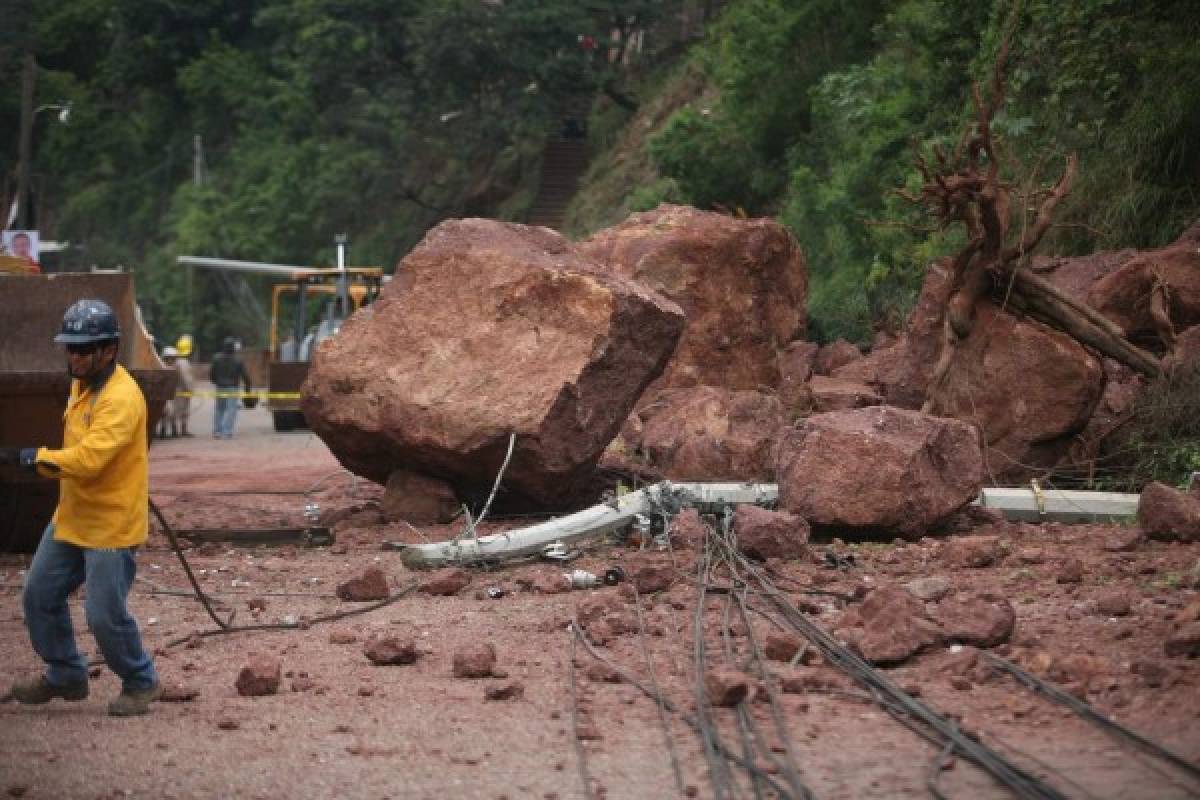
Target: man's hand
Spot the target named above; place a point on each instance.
(19, 456)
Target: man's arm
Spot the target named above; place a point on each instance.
(113, 426)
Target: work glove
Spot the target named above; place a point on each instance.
(19, 456)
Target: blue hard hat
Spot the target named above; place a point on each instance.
(88, 320)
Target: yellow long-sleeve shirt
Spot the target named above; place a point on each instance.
(104, 465)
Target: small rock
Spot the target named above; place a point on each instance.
(960, 683)
(1185, 641)
(930, 589)
(599, 672)
(228, 724)
(370, 585)
(1113, 604)
(177, 693)
(446, 582)
(1070, 571)
(1031, 555)
(1152, 673)
(1124, 541)
(726, 687)
(257, 604)
(260, 677)
(782, 646)
(1168, 513)
(342, 637)
(475, 660)
(513, 690)
(983, 620)
(303, 684)
(390, 650)
(972, 551)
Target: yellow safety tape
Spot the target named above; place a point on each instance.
(261, 394)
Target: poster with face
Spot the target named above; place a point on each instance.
(22, 244)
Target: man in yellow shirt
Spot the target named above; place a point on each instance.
(100, 521)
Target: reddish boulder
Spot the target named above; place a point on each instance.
(834, 355)
(446, 582)
(391, 650)
(878, 468)
(743, 285)
(894, 626)
(705, 433)
(763, 534)
(1114, 603)
(1167, 513)
(1070, 571)
(726, 687)
(490, 329)
(371, 585)
(782, 646)
(261, 676)
(983, 620)
(476, 660)
(650, 574)
(418, 499)
(1124, 295)
(972, 552)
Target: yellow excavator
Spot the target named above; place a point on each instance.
(319, 299)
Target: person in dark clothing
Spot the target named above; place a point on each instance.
(227, 373)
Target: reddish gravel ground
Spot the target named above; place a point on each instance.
(341, 727)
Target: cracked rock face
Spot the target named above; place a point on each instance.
(490, 328)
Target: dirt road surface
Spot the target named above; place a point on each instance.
(341, 727)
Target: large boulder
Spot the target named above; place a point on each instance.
(705, 433)
(1167, 513)
(742, 283)
(879, 468)
(1124, 295)
(490, 328)
(1030, 389)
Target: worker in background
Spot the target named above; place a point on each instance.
(103, 467)
(227, 373)
(182, 407)
(167, 429)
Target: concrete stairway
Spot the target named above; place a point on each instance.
(563, 162)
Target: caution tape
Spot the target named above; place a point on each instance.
(261, 394)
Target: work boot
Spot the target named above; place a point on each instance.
(37, 691)
(133, 702)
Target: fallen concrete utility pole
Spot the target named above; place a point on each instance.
(596, 521)
(1035, 504)
(1030, 504)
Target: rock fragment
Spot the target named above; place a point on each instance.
(476, 660)
(259, 677)
(371, 585)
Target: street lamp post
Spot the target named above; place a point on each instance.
(28, 115)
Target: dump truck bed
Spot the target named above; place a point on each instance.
(34, 384)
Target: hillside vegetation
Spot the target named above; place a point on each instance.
(257, 129)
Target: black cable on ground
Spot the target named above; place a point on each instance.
(668, 738)
(666, 702)
(1019, 781)
(170, 533)
(1108, 725)
(580, 751)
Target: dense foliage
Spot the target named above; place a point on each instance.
(257, 129)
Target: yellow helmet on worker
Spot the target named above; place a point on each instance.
(184, 345)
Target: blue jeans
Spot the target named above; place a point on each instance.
(225, 412)
(57, 570)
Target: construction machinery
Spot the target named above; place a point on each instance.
(34, 384)
(307, 308)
